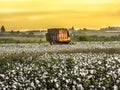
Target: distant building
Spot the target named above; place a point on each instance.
(2, 29)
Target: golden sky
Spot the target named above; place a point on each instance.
(43, 14)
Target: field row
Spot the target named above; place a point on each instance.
(45, 47)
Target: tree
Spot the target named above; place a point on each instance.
(84, 28)
(2, 29)
(12, 31)
(73, 28)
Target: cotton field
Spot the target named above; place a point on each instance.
(18, 48)
(80, 66)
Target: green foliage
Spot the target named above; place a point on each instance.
(70, 63)
(84, 38)
(10, 40)
(107, 81)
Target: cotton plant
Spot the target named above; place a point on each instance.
(38, 66)
(43, 48)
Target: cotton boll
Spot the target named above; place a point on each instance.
(32, 84)
(37, 81)
(57, 85)
(2, 75)
(80, 87)
(115, 87)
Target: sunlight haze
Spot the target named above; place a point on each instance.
(43, 14)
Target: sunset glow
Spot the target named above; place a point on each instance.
(43, 14)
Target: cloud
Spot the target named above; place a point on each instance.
(15, 0)
(59, 12)
(8, 10)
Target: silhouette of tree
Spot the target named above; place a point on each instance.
(18, 32)
(73, 28)
(2, 29)
(84, 28)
